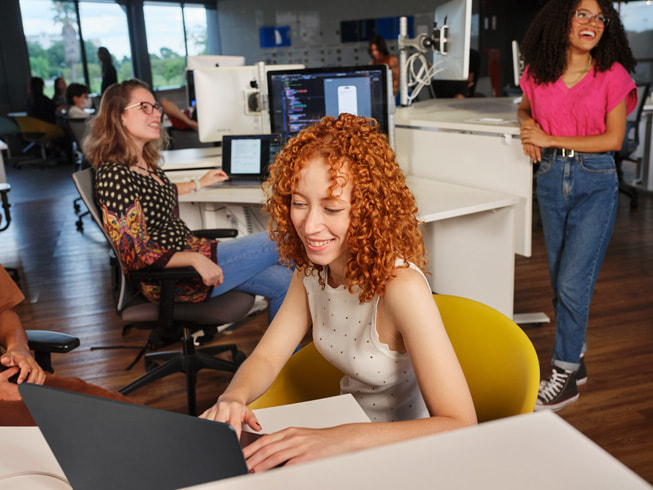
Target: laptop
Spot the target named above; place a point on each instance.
(245, 158)
(106, 444)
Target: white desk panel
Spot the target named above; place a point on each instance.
(190, 158)
(537, 451)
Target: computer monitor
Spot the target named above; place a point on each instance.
(452, 62)
(299, 98)
(206, 61)
(228, 101)
(517, 63)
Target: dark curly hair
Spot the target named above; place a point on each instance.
(384, 225)
(545, 44)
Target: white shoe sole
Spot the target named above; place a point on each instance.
(556, 406)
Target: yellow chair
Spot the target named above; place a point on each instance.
(306, 376)
(498, 359)
(38, 132)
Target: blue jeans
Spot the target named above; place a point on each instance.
(577, 197)
(251, 264)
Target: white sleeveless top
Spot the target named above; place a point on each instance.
(344, 331)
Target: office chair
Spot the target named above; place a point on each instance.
(498, 359)
(171, 319)
(44, 343)
(37, 132)
(630, 144)
(77, 129)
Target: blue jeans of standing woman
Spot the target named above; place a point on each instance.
(577, 196)
(251, 264)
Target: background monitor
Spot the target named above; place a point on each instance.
(206, 61)
(299, 98)
(517, 63)
(227, 101)
(457, 14)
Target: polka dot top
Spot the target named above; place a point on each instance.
(344, 331)
(118, 188)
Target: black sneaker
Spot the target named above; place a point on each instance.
(558, 391)
(581, 374)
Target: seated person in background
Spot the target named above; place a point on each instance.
(59, 98)
(178, 118)
(39, 105)
(460, 89)
(342, 213)
(78, 100)
(16, 359)
(140, 208)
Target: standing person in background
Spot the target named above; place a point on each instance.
(378, 51)
(577, 93)
(109, 75)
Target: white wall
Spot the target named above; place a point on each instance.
(314, 26)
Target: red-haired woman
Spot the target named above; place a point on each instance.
(342, 213)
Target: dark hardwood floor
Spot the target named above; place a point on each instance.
(65, 277)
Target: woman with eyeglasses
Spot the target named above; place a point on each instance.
(577, 93)
(140, 208)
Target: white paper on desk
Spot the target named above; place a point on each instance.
(314, 414)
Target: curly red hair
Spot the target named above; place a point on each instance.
(384, 225)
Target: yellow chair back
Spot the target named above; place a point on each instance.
(306, 376)
(34, 129)
(498, 359)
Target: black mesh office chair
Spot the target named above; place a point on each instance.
(630, 143)
(77, 129)
(171, 319)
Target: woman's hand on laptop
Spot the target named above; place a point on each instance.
(213, 177)
(234, 412)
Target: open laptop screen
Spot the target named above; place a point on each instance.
(247, 157)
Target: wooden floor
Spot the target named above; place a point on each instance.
(65, 279)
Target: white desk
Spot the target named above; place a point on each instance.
(535, 451)
(468, 233)
(646, 182)
(3, 175)
(191, 158)
(475, 143)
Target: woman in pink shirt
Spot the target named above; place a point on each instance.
(577, 93)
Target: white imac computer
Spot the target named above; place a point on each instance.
(211, 61)
(451, 62)
(299, 98)
(206, 61)
(228, 101)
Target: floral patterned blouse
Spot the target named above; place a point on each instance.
(141, 217)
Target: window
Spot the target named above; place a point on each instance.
(173, 33)
(637, 18)
(105, 24)
(52, 37)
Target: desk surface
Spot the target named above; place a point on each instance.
(486, 115)
(191, 158)
(534, 451)
(435, 200)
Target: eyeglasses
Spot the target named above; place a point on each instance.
(146, 107)
(584, 16)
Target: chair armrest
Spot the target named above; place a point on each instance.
(44, 342)
(170, 273)
(216, 233)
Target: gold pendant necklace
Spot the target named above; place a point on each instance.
(582, 73)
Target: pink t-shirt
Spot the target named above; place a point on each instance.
(582, 109)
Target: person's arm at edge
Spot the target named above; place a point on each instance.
(14, 340)
(209, 178)
(525, 118)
